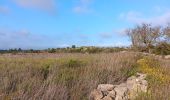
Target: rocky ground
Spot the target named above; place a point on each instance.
(124, 91)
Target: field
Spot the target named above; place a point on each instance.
(71, 76)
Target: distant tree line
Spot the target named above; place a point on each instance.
(19, 50)
(72, 49)
(85, 49)
(149, 38)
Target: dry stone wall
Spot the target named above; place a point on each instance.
(124, 91)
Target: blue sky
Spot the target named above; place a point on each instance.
(43, 24)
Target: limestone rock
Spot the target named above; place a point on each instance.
(105, 87)
(124, 91)
(121, 93)
(107, 98)
(96, 95)
(112, 94)
(167, 57)
(137, 85)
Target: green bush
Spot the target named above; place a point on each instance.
(51, 50)
(129, 71)
(45, 71)
(162, 49)
(73, 63)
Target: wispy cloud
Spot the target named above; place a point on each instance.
(4, 10)
(113, 44)
(21, 39)
(108, 35)
(25, 39)
(138, 17)
(83, 7)
(131, 16)
(47, 5)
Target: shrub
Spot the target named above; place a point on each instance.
(129, 71)
(162, 48)
(51, 50)
(45, 71)
(72, 63)
(152, 68)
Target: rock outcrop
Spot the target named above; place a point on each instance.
(124, 91)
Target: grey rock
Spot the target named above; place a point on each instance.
(124, 91)
(107, 98)
(105, 87)
(112, 94)
(96, 95)
(121, 92)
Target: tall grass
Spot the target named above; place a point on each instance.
(61, 76)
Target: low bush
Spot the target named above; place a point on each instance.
(162, 49)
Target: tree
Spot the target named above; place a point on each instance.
(51, 50)
(73, 46)
(166, 32)
(144, 36)
(19, 50)
(134, 37)
(31, 50)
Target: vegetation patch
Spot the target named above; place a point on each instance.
(72, 62)
(129, 71)
(152, 68)
(157, 78)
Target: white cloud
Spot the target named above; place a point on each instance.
(21, 39)
(47, 5)
(80, 9)
(131, 16)
(4, 10)
(137, 18)
(113, 44)
(83, 7)
(108, 35)
(121, 31)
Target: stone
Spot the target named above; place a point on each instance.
(105, 87)
(121, 98)
(107, 98)
(137, 85)
(122, 85)
(112, 94)
(105, 93)
(96, 95)
(121, 92)
(124, 91)
(167, 57)
(141, 76)
(118, 98)
(143, 86)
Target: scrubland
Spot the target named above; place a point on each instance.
(72, 76)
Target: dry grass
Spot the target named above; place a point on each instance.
(61, 76)
(67, 76)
